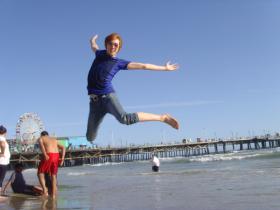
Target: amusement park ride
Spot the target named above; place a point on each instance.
(28, 129)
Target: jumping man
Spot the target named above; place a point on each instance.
(103, 99)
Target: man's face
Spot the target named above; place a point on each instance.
(112, 47)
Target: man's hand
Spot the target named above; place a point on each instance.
(47, 157)
(61, 162)
(93, 39)
(93, 44)
(171, 67)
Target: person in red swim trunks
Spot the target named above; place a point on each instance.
(50, 161)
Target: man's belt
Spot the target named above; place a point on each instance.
(96, 97)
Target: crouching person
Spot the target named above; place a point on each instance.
(17, 182)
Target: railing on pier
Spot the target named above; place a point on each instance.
(127, 154)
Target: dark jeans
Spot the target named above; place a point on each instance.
(3, 170)
(26, 189)
(100, 106)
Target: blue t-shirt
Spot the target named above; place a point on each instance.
(102, 71)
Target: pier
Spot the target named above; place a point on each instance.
(142, 153)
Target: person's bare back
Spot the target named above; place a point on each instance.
(50, 144)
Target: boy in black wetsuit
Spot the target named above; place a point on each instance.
(18, 184)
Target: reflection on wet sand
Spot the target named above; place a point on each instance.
(3, 199)
(21, 202)
(49, 204)
(18, 203)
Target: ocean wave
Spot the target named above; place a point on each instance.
(219, 157)
(30, 170)
(234, 155)
(213, 157)
(78, 173)
(105, 164)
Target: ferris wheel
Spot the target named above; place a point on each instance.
(28, 128)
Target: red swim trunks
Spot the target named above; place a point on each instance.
(50, 165)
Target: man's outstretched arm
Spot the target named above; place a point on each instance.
(93, 44)
(146, 66)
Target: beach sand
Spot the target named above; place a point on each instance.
(243, 180)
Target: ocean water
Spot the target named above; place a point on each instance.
(240, 180)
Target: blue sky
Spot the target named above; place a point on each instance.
(227, 84)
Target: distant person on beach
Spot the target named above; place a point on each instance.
(4, 155)
(156, 163)
(103, 98)
(50, 161)
(17, 182)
